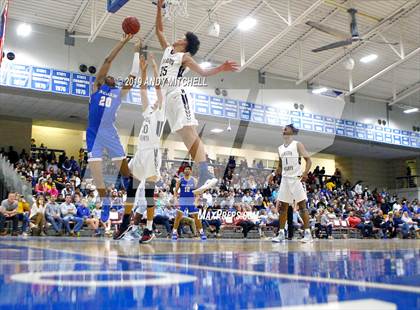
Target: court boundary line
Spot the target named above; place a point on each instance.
(293, 277)
(282, 247)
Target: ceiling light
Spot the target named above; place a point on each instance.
(216, 130)
(247, 24)
(368, 58)
(205, 65)
(411, 110)
(319, 90)
(23, 30)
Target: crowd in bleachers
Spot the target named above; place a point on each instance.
(66, 201)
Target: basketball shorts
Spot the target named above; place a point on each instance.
(99, 140)
(187, 205)
(146, 163)
(291, 190)
(179, 110)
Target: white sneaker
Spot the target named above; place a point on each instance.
(280, 237)
(209, 184)
(307, 238)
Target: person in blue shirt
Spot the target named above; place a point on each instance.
(184, 192)
(84, 212)
(105, 101)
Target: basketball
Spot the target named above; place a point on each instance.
(131, 25)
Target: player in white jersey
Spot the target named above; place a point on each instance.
(176, 60)
(292, 187)
(145, 166)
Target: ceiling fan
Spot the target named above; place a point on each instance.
(346, 38)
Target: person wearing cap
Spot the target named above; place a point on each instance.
(68, 190)
(292, 186)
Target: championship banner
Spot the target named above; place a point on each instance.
(3, 22)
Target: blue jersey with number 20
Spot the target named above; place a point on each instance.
(103, 107)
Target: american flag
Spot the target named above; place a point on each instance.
(3, 22)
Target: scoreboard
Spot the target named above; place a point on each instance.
(115, 5)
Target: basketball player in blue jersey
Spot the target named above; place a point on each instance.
(104, 103)
(177, 58)
(184, 194)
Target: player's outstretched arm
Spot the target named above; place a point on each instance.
(130, 81)
(143, 86)
(157, 84)
(308, 162)
(159, 26)
(227, 66)
(103, 71)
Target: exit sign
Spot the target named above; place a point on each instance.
(115, 5)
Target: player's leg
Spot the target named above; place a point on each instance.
(181, 119)
(117, 153)
(283, 200)
(95, 148)
(125, 224)
(197, 151)
(304, 214)
(283, 208)
(199, 226)
(122, 166)
(299, 194)
(177, 221)
(148, 234)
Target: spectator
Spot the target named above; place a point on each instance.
(37, 217)
(53, 191)
(162, 217)
(8, 212)
(243, 221)
(84, 213)
(104, 217)
(399, 223)
(68, 190)
(61, 159)
(67, 167)
(23, 212)
(33, 143)
(53, 215)
(247, 199)
(213, 224)
(358, 189)
(69, 214)
(52, 167)
(12, 155)
(353, 220)
(406, 218)
(209, 198)
(40, 188)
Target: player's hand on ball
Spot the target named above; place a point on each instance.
(230, 66)
(126, 37)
